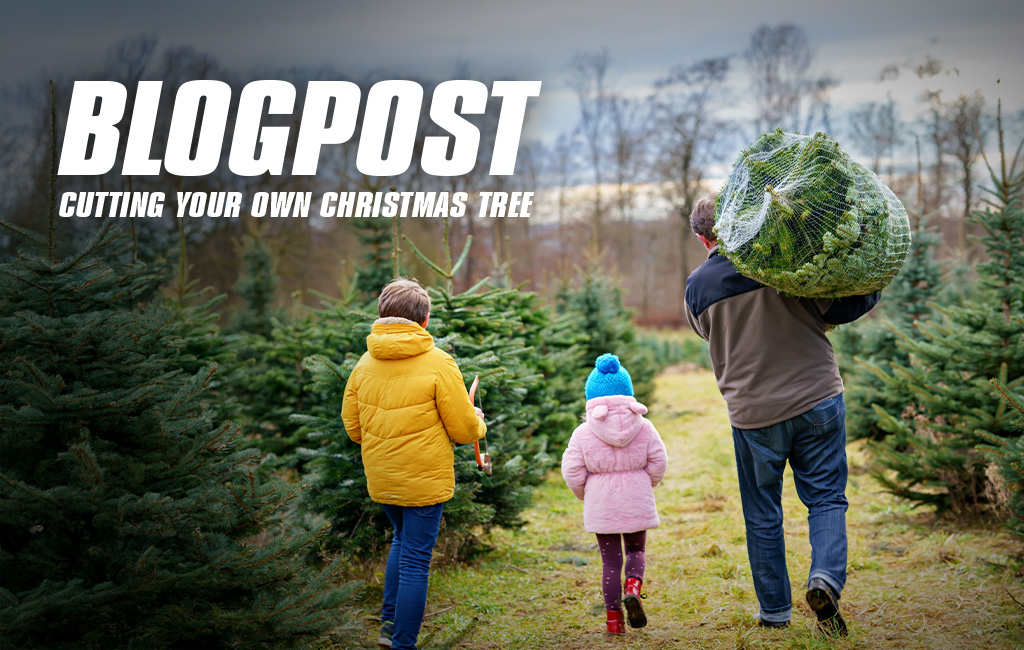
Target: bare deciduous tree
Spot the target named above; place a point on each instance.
(629, 125)
(876, 130)
(966, 130)
(562, 164)
(587, 77)
(935, 131)
(780, 59)
(688, 133)
(937, 135)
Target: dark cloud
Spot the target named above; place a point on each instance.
(529, 36)
(525, 39)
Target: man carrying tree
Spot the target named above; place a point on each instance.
(777, 372)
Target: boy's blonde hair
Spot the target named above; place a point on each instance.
(702, 218)
(404, 298)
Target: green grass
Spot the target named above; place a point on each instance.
(912, 582)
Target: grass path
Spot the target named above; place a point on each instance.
(911, 583)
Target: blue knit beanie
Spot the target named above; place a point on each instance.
(608, 378)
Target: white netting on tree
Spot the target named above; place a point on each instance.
(799, 215)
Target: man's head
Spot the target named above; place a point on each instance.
(404, 298)
(702, 220)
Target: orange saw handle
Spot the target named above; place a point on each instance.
(483, 461)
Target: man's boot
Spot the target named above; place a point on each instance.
(825, 604)
(387, 630)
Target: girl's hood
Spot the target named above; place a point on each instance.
(615, 419)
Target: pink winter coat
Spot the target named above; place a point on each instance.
(612, 462)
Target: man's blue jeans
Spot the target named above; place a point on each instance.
(408, 570)
(815, 445)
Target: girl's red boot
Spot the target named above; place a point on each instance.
(631, 601)
(616, 624)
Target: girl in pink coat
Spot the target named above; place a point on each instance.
(613, 461)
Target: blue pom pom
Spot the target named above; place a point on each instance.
(607, 363)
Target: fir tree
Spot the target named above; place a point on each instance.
(277, 387)
(599, 315)
(934, 447)
(527, 388)
(869, 348)
(256, 286)
(129, 518)
(525, 359)
(377, 266)
(193, 307)
(1008, 454)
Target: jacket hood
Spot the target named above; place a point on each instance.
(397, 338)
(615, 419)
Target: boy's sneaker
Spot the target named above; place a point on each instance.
(823, 601)
(631, 601)
(777, 625)
(387, 630)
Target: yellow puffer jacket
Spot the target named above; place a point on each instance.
(405, 403)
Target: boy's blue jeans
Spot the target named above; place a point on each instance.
(408, 570)
(815, 445)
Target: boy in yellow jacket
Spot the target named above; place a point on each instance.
(406, 404)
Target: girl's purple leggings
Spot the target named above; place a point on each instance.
(611, 558)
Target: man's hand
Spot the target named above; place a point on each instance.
(479, 412)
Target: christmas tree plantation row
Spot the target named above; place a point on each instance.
(936, 383)
(137, 508)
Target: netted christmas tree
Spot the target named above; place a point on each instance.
(933, 453)
(128, 516)
(801, 216)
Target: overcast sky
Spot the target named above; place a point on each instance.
(535, 39)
